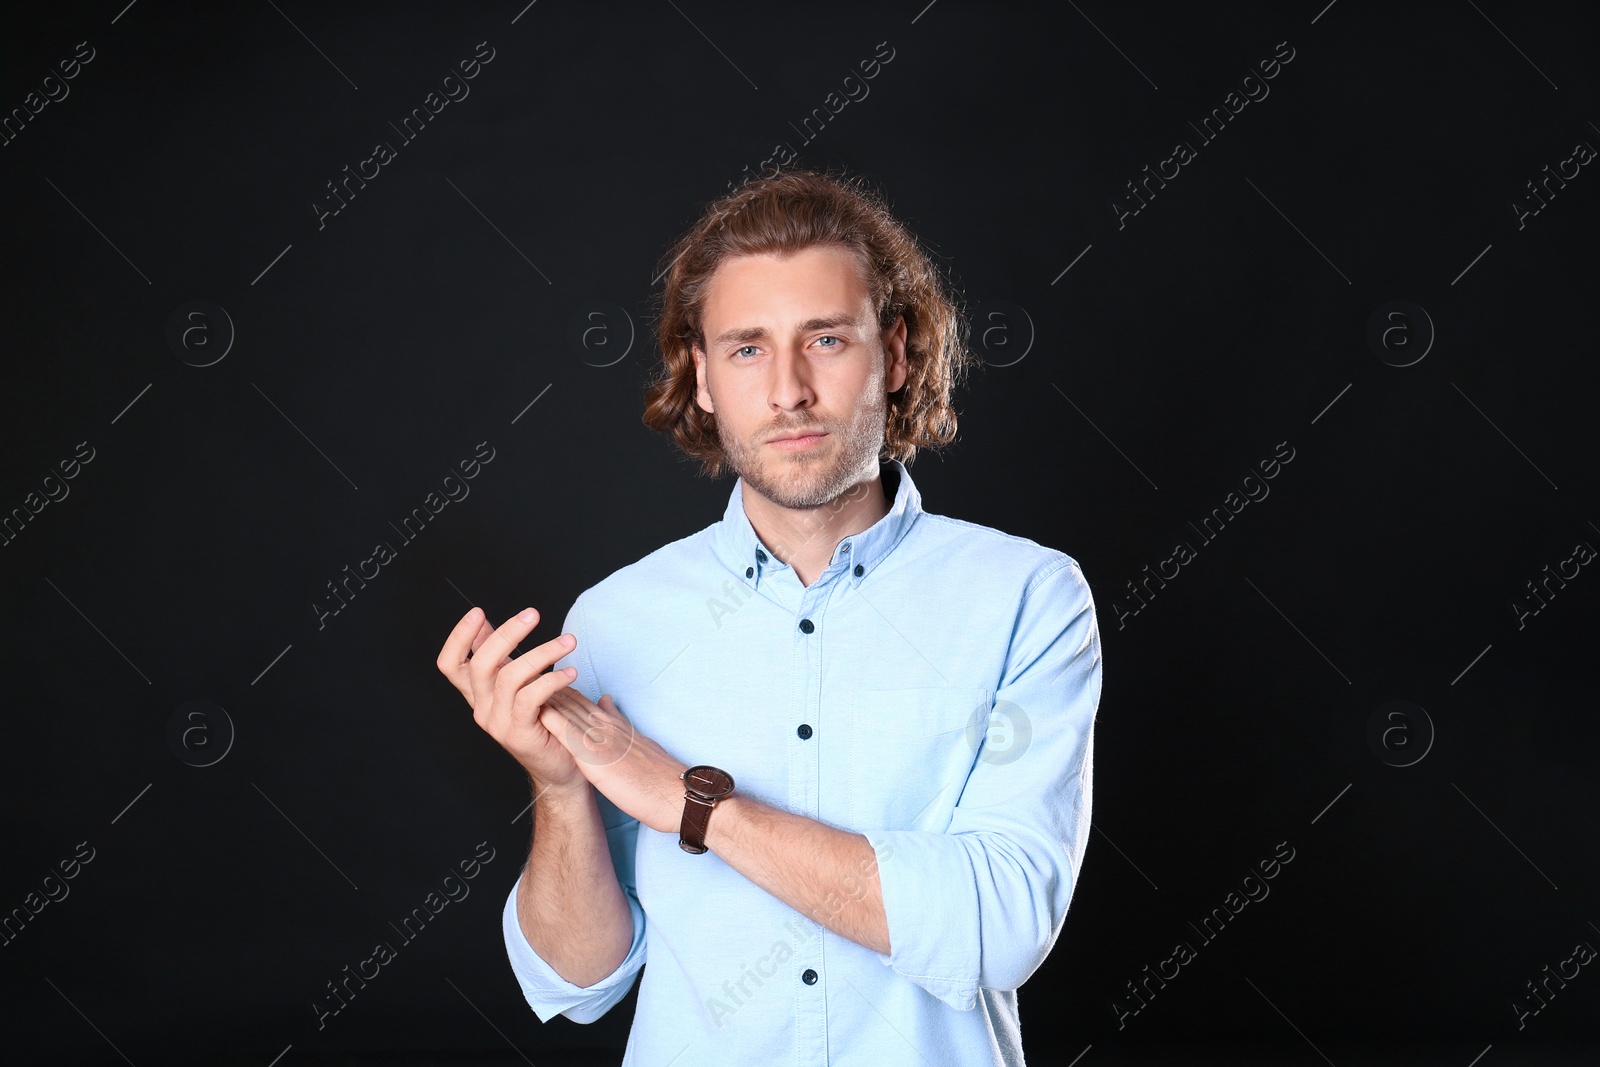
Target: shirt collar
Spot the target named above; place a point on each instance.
(736, 543)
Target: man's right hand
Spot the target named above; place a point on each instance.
(506, 694)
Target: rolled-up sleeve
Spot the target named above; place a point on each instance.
(980, 905)
(546, 991)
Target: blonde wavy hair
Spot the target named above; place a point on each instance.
(783, 214)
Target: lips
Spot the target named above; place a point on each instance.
(797, 436)
(804, 443)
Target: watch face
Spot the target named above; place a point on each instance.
(709, 781)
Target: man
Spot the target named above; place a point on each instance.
(886, 715)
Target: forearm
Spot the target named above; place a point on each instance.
(826, 874)
(569, 902)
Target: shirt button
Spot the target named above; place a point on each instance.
(750, 572)
(804, 731)
(860, 570)
(809, 977)
(806, 626)
(760, 555)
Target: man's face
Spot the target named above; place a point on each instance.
(792, 345)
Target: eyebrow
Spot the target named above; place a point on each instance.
(754, 333)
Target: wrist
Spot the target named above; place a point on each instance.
(728, 810)
(559, 793)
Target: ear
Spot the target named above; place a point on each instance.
(895, 367)
(702, 392)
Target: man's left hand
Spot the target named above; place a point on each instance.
(631, 770)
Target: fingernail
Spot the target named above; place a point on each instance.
(526, 615)
(567, 640)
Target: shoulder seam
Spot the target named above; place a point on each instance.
(1018, 538)
(1040, 578)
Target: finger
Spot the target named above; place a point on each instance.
(594, 736)
(452, 661)
(551, 718)
(605, 711)
(515, 676)
(582, 713)
(565, 703)
(485, 628)
(578, 723)
(483, 635)
(497, 647)
(578, 734)
(582, 701)
(517, 709)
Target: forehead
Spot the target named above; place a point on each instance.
(778, 291)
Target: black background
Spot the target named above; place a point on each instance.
(1122, 400)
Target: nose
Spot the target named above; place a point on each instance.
(790, 384)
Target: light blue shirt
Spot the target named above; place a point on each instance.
(934, 689)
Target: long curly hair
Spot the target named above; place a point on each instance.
(786, 213)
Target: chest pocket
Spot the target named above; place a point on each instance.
(910, 753)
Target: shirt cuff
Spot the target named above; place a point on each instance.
(930, 898)
(547, 993)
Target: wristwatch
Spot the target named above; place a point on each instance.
(704, 787)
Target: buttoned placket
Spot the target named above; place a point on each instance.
(811, 723)
(806, 732)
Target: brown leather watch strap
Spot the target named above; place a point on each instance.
(704, 785)
(696, 816)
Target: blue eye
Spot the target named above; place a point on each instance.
(829, 337)
(736, 351)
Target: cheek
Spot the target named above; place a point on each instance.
(740, 405)
(870, 401)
